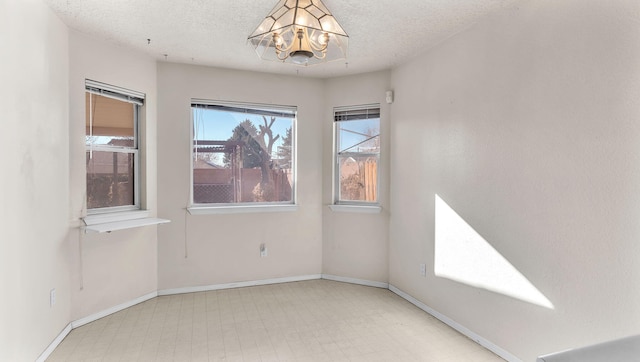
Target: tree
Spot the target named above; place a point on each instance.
(284, 151)
(374, 136)
(246, 133)
(257, 146)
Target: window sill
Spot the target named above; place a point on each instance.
(362, 209)
(106, 223)
(244, 209)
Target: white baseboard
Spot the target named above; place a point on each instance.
(114, 309)
(47, 352)
(368, 283)
(252, 283)
(455, 325)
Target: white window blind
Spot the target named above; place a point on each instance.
(236, 107)
(351, 113)
(114, 92)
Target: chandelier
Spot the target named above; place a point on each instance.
(301, 32)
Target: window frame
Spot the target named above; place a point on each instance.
(137, 100)
(243, 207)
(354, 205)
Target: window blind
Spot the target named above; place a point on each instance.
(353, 113)
(114, 92)
(267, 110)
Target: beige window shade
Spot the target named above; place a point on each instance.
(108, 116)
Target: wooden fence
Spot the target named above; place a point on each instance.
(371, 180)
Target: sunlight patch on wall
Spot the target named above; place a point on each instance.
(462, 255)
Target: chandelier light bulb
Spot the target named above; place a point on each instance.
(323, 39)
(277, 39)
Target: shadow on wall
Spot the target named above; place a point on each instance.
(463, 255)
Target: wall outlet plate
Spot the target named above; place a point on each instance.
(423, 269)
(52, 297)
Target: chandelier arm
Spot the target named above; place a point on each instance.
(286, 55)
(320, 48)
(324, 54)
(315, 43)
(283, 49)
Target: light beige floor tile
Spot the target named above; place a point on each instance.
(315, 320)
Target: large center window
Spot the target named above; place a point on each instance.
(242, 153)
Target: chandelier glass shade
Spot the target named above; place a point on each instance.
(301, 32)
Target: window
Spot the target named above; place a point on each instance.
(111, 141)
(242, 154)
(357, 155)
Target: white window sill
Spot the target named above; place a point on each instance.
(362, 209)
(106, 223)
(244, 209)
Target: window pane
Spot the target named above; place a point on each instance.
(242, 155)
(357, 154)
(109, 121)
(359, 136)
(110, 179)
(358, 177)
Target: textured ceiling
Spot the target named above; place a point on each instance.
(214, 32)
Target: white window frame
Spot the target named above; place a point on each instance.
(339, 114)
(137, 101)
(243, 207)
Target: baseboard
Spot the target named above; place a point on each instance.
(114, 309)
(47, 352)
(368, 283)
(457, 326)
(252, 283)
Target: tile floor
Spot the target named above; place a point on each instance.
(316, 320)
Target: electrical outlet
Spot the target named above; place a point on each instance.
(423, 269)
(52, 297)
(263, 250)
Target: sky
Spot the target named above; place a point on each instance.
(352, 133)
(215, 125)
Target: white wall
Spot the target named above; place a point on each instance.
(527, 126)
(355, 244)
(200, 250)
(34, 181)
(110, 269)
